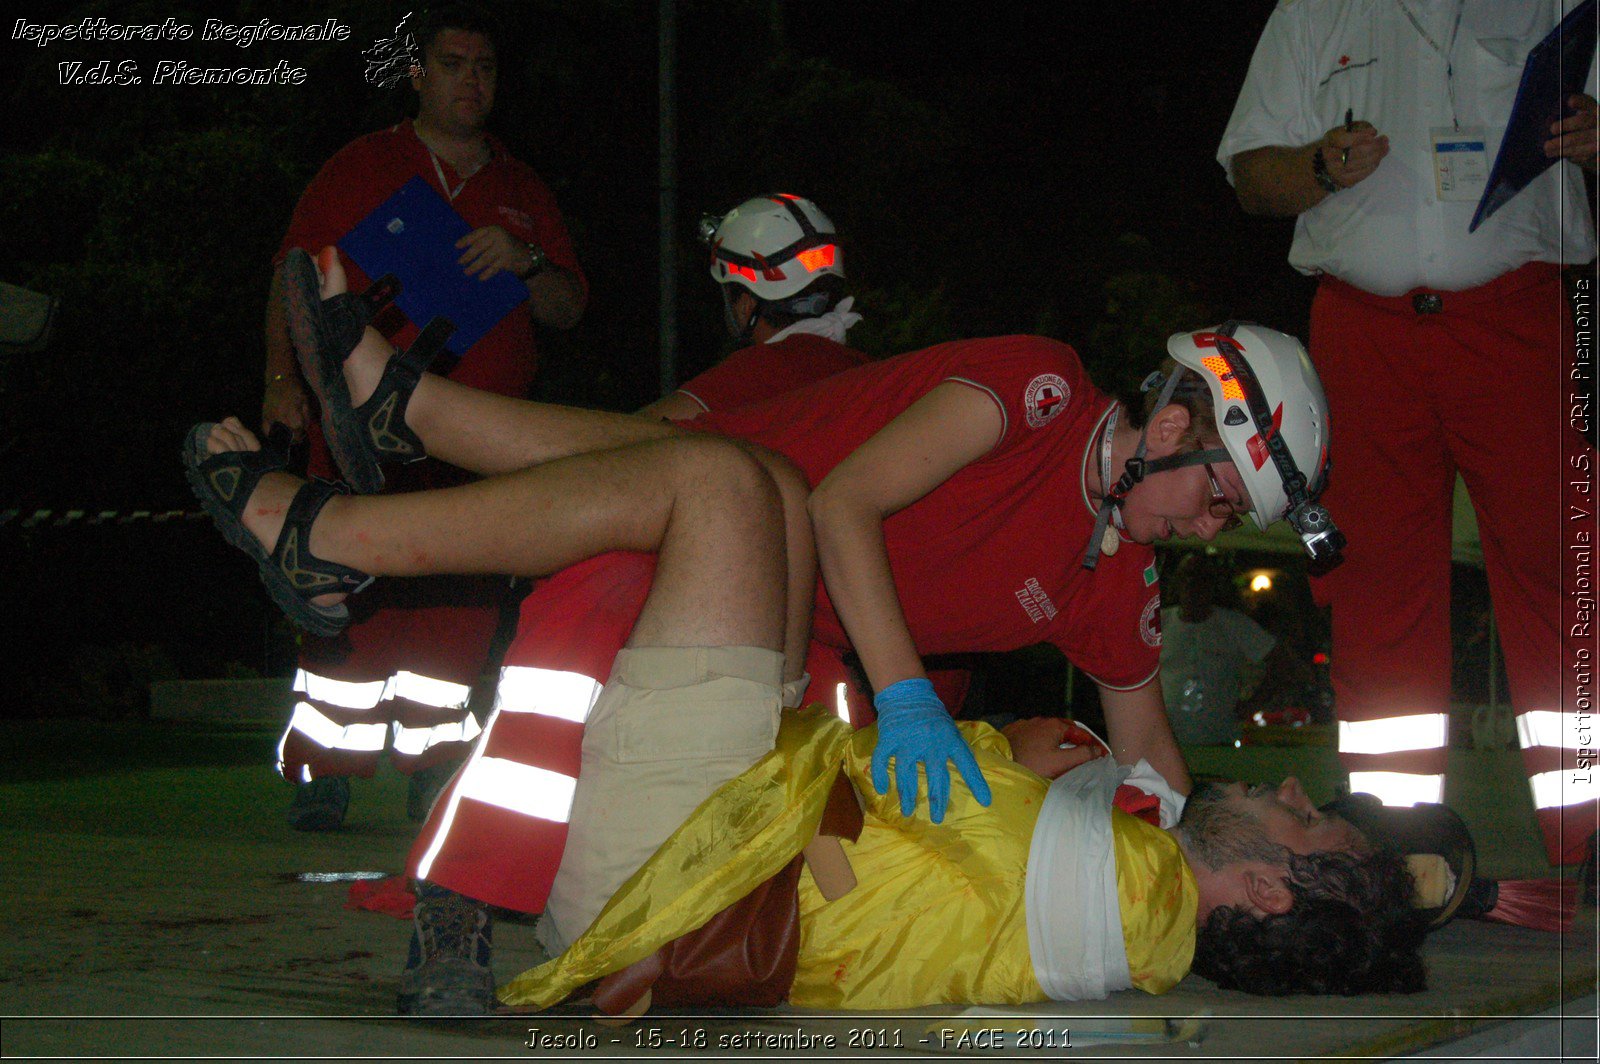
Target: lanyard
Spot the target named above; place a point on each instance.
(1105, 466)
(1446, 53)
(450, 193)
(1108, 539)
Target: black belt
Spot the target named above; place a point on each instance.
(1427, 302)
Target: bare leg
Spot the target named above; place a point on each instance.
(490, 434)
(479, 431)
(801, 556)
(710, 511)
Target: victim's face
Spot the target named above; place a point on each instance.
(1235, 822)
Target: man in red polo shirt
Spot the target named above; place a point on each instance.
(1022, 447)
(400, 676)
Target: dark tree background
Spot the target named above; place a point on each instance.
(994, 168)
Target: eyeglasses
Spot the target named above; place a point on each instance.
(1219, 507)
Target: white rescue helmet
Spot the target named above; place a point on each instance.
(776, 246)
(1273, 420)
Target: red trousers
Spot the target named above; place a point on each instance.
(398, 677)
(1480, 387)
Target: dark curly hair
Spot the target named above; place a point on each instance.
(1352, 930)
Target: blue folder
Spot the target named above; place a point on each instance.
(1556, 68)
(412, 235)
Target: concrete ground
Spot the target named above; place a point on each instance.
(156, 904)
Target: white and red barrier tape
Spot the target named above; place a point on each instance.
(62, 518)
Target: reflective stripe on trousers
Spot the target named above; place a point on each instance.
(525, 763)
(357, 718)
(1550, 742)
(1398, 759)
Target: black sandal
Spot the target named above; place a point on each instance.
(324, 332)
(294, 576)
(376, 432)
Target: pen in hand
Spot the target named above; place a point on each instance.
(1349, 125)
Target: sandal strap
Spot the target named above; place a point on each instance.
(233, 475)
(384, 413)
(348, 313)
(306, 573)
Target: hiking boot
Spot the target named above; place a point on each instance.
(320, 805)
(424, 787)
(447, 967)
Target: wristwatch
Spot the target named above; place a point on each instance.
(1319, 171)
(537, 261)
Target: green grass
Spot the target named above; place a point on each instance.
(173, 780)
(72, 748)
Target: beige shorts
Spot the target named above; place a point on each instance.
(671, 726)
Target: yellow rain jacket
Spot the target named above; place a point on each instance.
(937, 915)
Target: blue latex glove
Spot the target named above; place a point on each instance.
(914, 728)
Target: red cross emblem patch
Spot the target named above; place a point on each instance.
(1150, 621)
(1044, 398)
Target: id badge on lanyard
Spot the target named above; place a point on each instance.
(1460, 163)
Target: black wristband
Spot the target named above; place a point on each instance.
(537, 261)
(1319, 172)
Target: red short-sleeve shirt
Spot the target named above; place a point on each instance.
(990, 560)
(762, 371)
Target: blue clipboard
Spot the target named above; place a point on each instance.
(1556, 68)
(412, 235)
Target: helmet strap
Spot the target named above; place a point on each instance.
(804, 305)
(740, 331)
(1187, 458)
(1295, 487)
(1133, 472)
(1137, 469)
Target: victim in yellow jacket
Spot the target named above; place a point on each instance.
(938, 913)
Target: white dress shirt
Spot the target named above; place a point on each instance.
(1457, 64)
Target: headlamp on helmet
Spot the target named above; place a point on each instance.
(707, 229)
